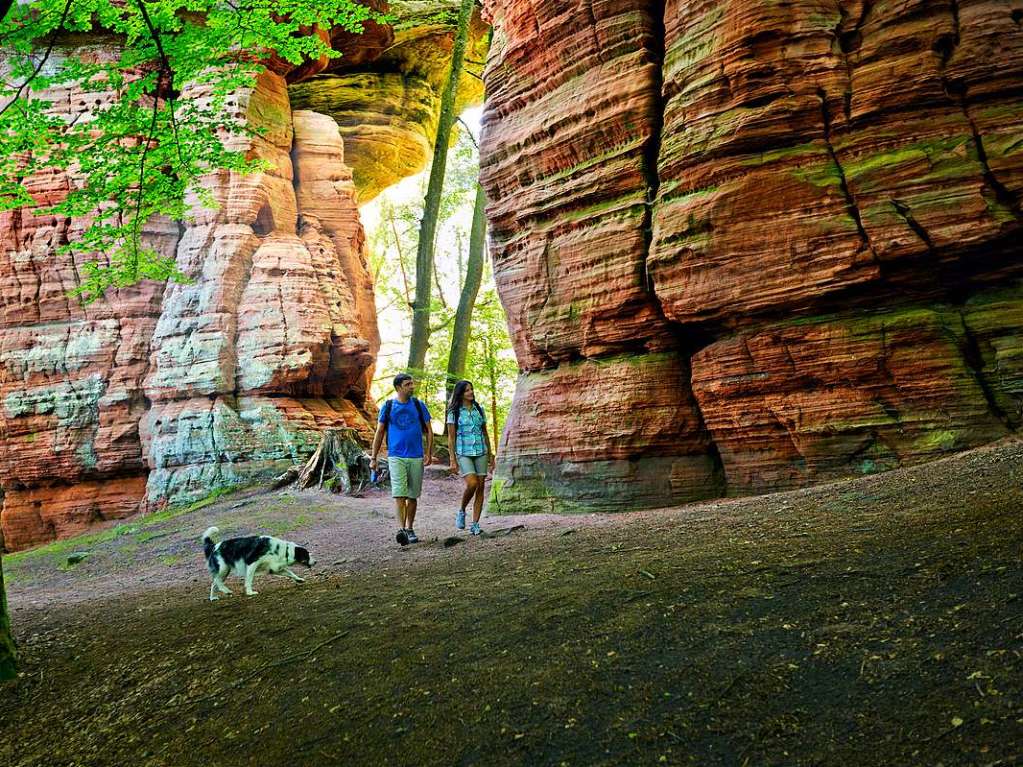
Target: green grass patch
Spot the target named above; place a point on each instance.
(139, 525)
(279, 527)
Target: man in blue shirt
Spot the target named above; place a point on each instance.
(405, 420)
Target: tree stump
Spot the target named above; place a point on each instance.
(340, 463)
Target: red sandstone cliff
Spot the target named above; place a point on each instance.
(814, 207)
(742, 245)
(164, 393)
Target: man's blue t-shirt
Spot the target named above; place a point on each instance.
(404, 432)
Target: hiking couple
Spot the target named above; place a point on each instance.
(404, 420)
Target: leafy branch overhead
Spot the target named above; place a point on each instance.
(158, 109)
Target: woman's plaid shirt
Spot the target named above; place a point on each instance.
(469, 438)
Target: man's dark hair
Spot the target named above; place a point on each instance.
(401, 378)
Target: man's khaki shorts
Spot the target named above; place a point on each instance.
(406, 477)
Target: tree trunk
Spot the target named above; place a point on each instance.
(8, 652)
(492, 368)
(431, 208)
(340, 462)
(470, 289)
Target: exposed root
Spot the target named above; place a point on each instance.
(340, 462)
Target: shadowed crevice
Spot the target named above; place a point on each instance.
(849, 40)
(850, 201)
(907, 215)
(974, 360)
(652, 148)
(945, 46)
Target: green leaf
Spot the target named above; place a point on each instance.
(151, 119)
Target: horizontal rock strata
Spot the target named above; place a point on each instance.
(71, 392)
(42, 513)
(574, 442)
(828, 398)
(815, 206)
(151, 396)
(565, 162)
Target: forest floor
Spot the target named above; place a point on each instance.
(877, 621)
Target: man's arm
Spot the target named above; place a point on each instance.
(378, 440)
(428, 458)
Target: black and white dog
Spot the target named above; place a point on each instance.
(249, 555)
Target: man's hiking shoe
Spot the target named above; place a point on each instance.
(475, 529)
(402, 537)
(411, 536)
(460, 519)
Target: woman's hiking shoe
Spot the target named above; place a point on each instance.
(411, 536)
(402, 537)
(460, 519)
(475, 529)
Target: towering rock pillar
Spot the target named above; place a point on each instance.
(276, 336)
(813, 210)
(568, 159)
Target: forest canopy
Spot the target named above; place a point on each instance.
(160, 76)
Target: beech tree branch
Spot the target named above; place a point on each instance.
(49, 50)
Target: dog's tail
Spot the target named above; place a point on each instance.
(207, 540)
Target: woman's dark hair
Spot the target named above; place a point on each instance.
(455, 403)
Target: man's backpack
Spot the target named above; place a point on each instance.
(420, 411)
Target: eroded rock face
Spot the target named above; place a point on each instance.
(71, 392)
(151, 395)
(387, 100)
(600, 434)
(251, 359)
(813, 401)
(816, 206)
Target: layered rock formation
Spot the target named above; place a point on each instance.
(387, 99)
(814, 206)
(71, 376)
(742, 245)
(156, 394)
(275, 337)
(163, 393)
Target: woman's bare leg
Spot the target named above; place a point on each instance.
(471, 484)
(477, 506)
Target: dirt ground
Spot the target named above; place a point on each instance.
(876, 621)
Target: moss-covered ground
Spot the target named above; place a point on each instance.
(877, 621)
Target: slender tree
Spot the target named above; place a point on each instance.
(428, 224)
(8, 652)
(470, 289)
(492, 372)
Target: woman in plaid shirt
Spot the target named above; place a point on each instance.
(469, 446)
